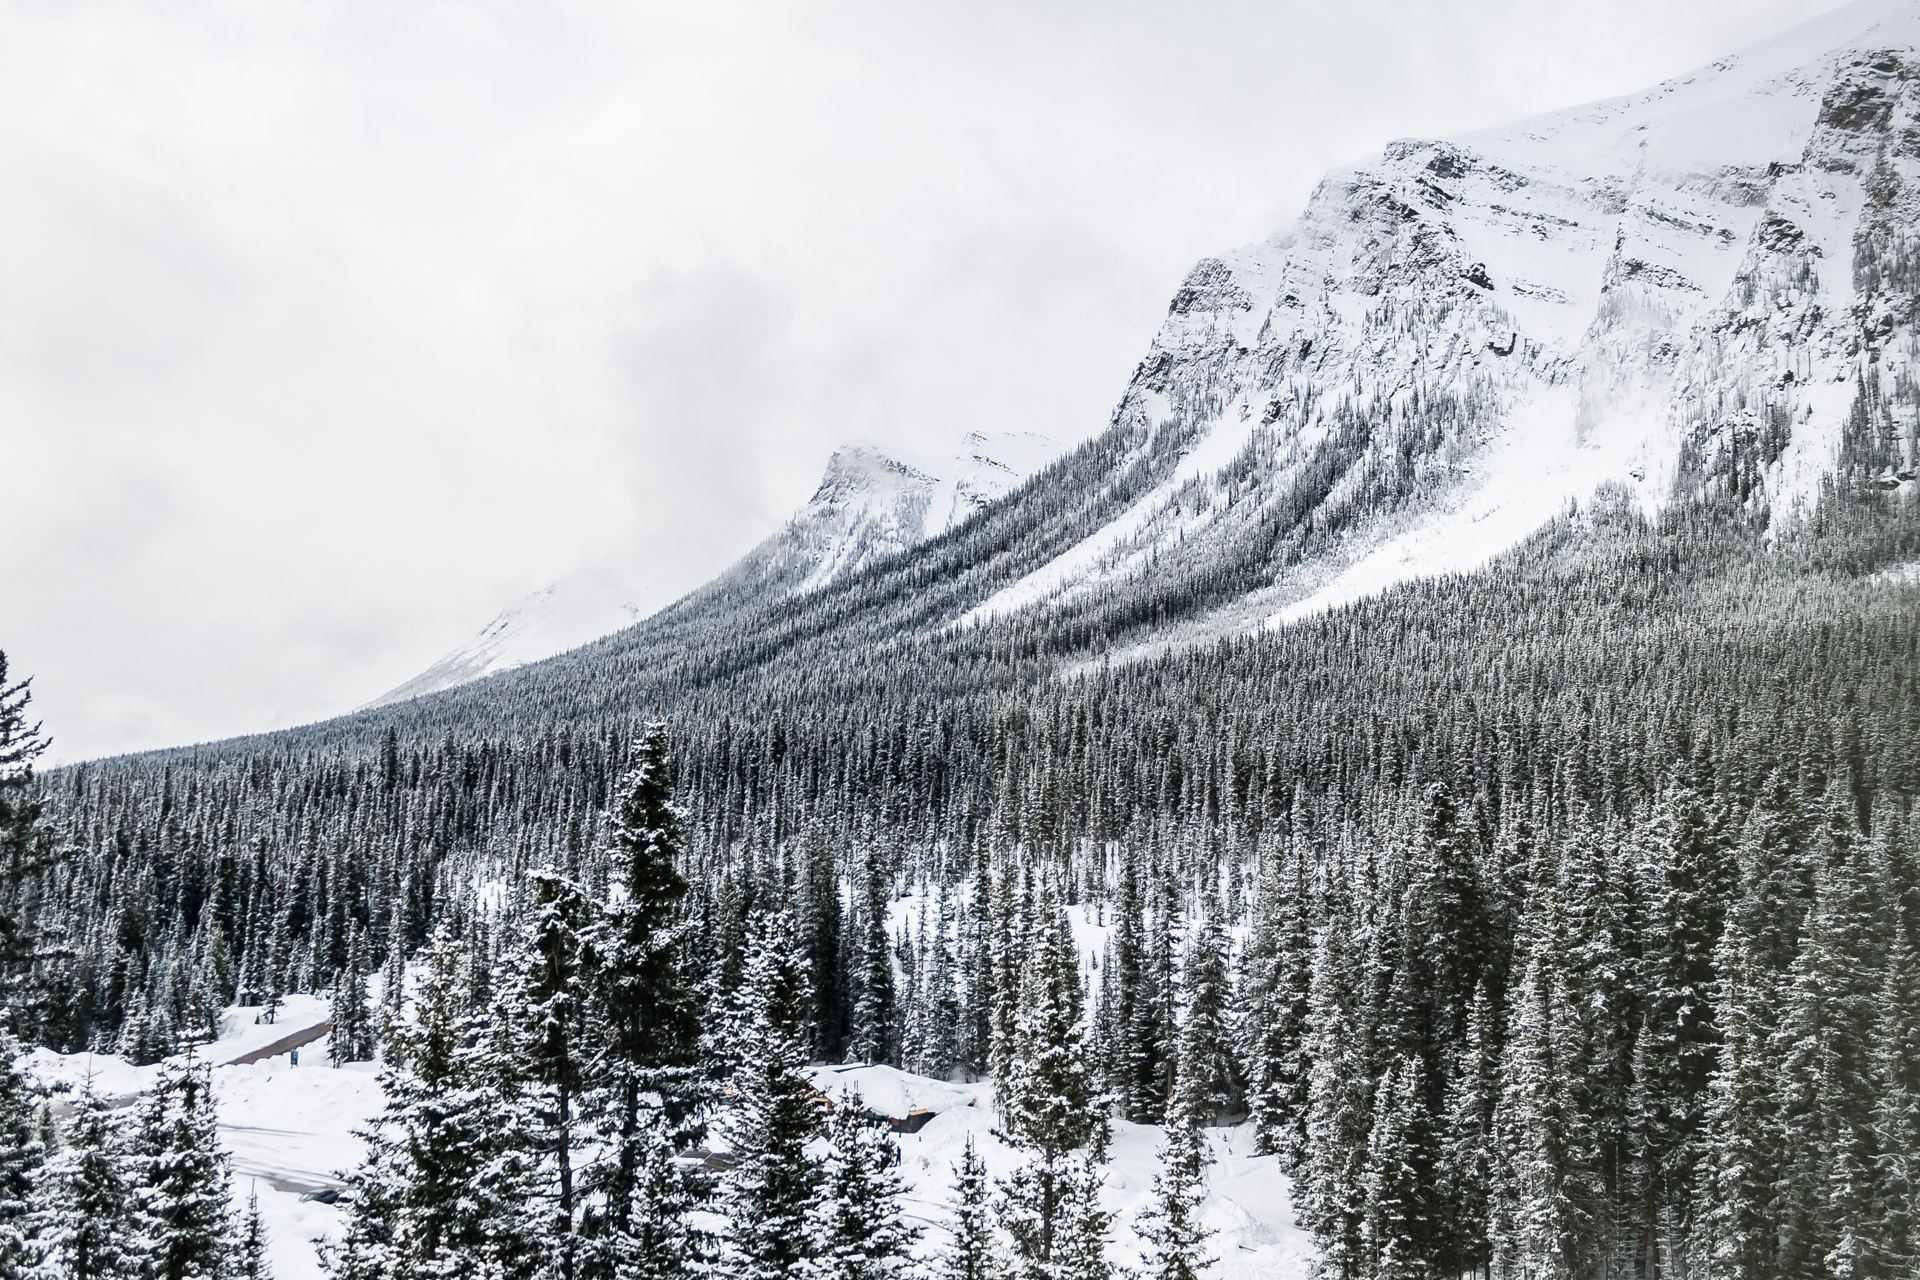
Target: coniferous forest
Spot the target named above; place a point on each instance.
(1560, 919)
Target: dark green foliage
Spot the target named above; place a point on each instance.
(859, 1233)
(85, 1216)
(250, 1249)
(181, 1180)
(352, 1037)
(773, 1187)
(973, 1253)
(21, 1156)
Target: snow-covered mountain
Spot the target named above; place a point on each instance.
(873, 503)
(1458, 337)
(1706, 287)
(870, 504)
(562, 615)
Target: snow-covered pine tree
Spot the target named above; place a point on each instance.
(446, 1184)
(858, 1232)
(871, 1038)
(250, 1247)
(393, 970)
(772, 1190)
(1398, 1228)
(1827, 1090)
(1339, 1105)
(21, 1156)
(543, 1010)
(1735, 1237)
(1896, 1119)
(1050, 1108)
(1466, 1152)
(1276, 973)
(817, 914)
(973, 1253)
(84, 1219)
(21, 743)
(1151, 1030)
(1209, 1077)
(1689, 880)
(1176, 1239)
(352, 1038)
(180, 1175)
(643, 1017)
(939, 1046)
(661, 1240)
(1080, 1252)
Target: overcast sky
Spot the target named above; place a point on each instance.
(328, 329)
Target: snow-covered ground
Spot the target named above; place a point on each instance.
(1248, 1206)
(291, 1130)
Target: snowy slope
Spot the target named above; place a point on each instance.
(1458, 337)
(291, 1130)
(563, 615)
(871, 503)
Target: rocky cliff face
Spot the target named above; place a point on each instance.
(1669, 291)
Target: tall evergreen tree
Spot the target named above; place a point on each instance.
(859, 1233)
(1209, 1076)
(871, 1038)
(250, 1260)
(772, 1190)
(973, 1253)
(445, 1186)
(352, 1038)
(1171, 1226)
(1050, 1108)
(181, 1180)
(21, 744)
(644, 1016)
(84, 1217)
(21, 1155)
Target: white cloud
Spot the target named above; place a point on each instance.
(328, 328)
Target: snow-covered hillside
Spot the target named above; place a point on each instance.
(562, 615)
(871, 503)
(291, 1132)
(1458, 337)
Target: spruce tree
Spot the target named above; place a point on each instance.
(250, 1249)
(1171, 1226)
(858, 1233)
(543, 1008)
(644, 1020)
(352, 1039)
(21, 1156)
(1209, 1077)
(973, 1253)
(447, 1182)
(1399, 1227)
(84, 1218)
(771, 1192)
(181, 1180)
(21, 744)
(1339, 1106)
(1050, 1108)
(871, 1037)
